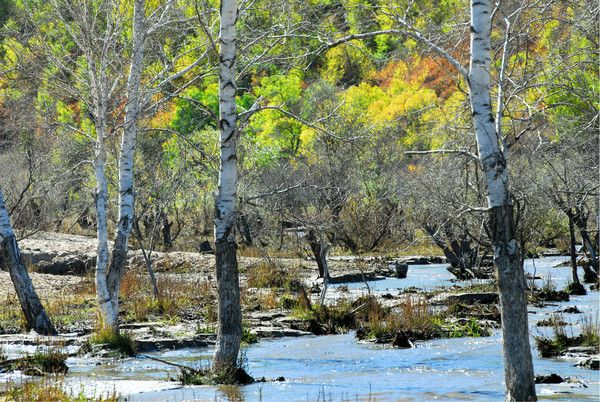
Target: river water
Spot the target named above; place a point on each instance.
(338, 368)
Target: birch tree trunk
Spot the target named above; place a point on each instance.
(108, 315)
(32, 308)
(126, 158)
(518, 365)
(229, 333)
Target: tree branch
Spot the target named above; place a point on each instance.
(445, 151)
(411, 32)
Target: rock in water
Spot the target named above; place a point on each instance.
(571, 310)
(401, 340)
(400, 269)
(549, 379)
(592, 363)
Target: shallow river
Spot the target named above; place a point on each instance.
(339, 368)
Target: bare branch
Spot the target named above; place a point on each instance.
(463, 152)
(411, 32)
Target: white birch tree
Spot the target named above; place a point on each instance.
(110, 37)
(139, 103)
(229, 335)
(126, 159)
(492, 156)
(518, 366)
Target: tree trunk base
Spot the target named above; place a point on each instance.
(518, 367)
(32, 308)
(229, 335)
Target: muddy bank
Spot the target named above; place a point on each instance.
(64, 254)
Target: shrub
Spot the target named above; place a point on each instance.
(225, 376)
(560, 341)
(322, 320)
(555, 320)
(576, 289)
(50, 361)
(413, 320)
(287, 301)
(548, 292)
(550, 347)
(267, 299)
(590, 333)
(479, 311)
(178, 298)
(248, 337)
(121, 343)
(233, 376)
(268, 274)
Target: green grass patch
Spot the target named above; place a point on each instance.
(470, 328)
(413, 320)
(121, 343)
(50, 388)
(41, 362)
(560, 340)
(248, 337)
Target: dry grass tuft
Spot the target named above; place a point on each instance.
(49, 388)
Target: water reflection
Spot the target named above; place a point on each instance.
(232, 393)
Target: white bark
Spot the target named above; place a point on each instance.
(99, 32)
(480, 82)
(230, 321)
(32, 308)
(518, 366)
(99, 94)
(108, 315)
(127, 153)
(226, 199)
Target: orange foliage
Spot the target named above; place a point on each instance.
(434, 73)
(385, 77)
(440, 75)
(75, 109)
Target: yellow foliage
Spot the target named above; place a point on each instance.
(164, 116)
(348, 62)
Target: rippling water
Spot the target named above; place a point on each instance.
(339, 368)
